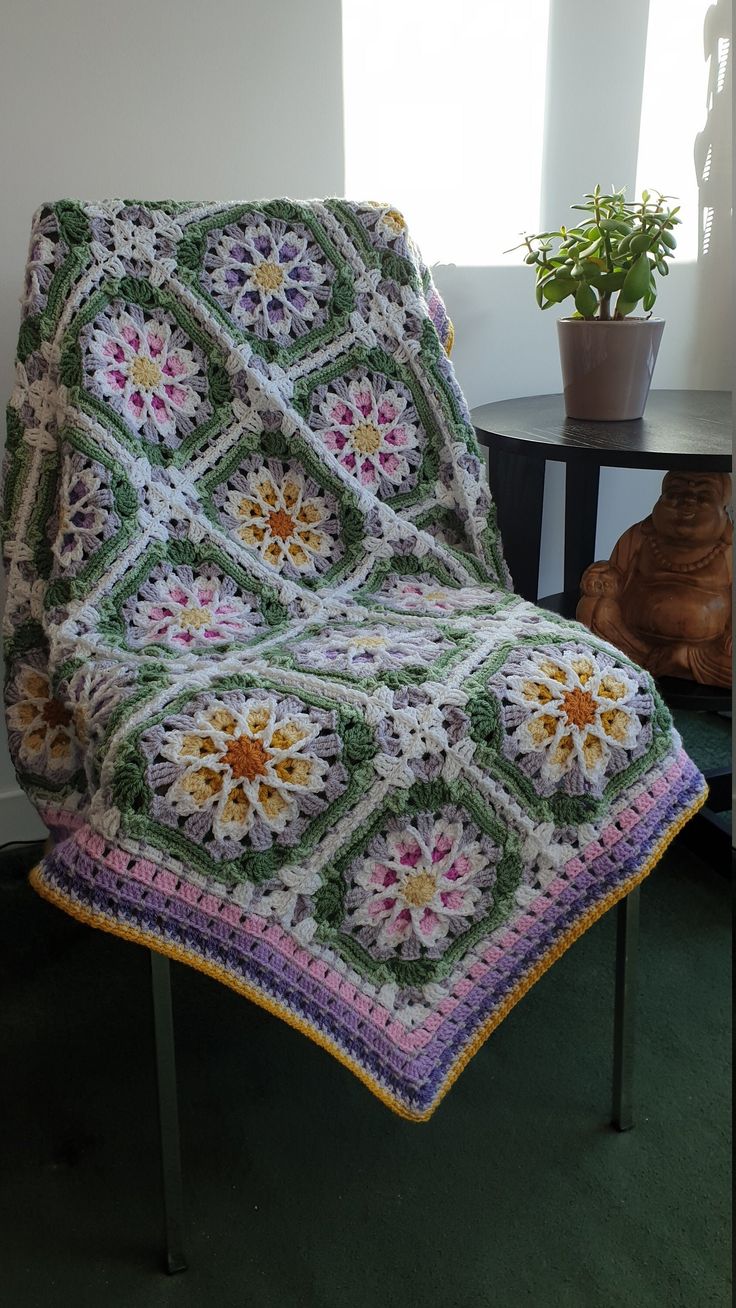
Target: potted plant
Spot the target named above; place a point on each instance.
(607, 264)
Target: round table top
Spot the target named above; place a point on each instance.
(680, 429)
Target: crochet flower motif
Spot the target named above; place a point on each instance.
(85, 512)
(364, 649)
(134, 239)
(424, 880)
(283, 515)
(45, 254)
(183, 611)
(270, 275)
(424, 595)
(571, 715)
(245, 766)
(145, 366)
(386, 225)
(372, 427)
(42, 736)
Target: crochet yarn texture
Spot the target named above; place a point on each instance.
(268, 683)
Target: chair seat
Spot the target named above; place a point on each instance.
(268, 681)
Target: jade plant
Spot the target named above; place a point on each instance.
(615, 250)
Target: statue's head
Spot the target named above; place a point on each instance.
(691, 509)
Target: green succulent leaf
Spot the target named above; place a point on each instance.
(615, 246)
(636, 282)
(558, 290)
(586, 300)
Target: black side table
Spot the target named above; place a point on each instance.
(680, 429)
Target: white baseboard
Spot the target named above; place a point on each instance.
(18, 818)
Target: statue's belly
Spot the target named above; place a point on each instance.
(678, 610)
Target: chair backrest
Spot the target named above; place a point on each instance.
(248, 403)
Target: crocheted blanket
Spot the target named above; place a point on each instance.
(268, 683)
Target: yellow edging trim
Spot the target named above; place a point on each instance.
(104, 923)
(450, 337)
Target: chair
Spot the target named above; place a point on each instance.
(268, 682)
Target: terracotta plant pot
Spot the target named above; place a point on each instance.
(607, 366)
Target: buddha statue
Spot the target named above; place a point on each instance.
(664, 596)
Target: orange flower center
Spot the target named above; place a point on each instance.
(579, 707)
(246, 758)
(281, 523)
(55, 714)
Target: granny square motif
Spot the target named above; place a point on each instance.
(268, 682)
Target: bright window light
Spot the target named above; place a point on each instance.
(444, 118)
(677, 77)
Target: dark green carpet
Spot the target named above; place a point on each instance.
(706, 737)
(304, 1192)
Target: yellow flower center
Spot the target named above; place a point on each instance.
(281, 524)
(394, 220)
(366, 438)
(419, 888)
(578, 707)
(369, 642)
(194, 617)
(144, 372)
(246, 758)
(268, 276)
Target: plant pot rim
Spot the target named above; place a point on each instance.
(612, 322)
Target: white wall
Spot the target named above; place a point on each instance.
(224, 99)
(504, 346)
(242, 98)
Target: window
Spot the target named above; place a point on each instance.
(454, 135)
(680, 100)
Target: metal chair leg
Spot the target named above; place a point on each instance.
(168, 1113)
(627, 941)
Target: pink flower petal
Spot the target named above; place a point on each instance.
(335, 440)
(386, 412)
(409, 853)
(130, 335)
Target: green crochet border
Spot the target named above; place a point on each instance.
(410, 565)
(133, 796)
(112, 625)
(422, 797)
(274, 445)
(132, 290)
(27, 639)
(394, 267)
(411, 674)
(125, 500)
(486, 730)
(190, 260)
(378, 361)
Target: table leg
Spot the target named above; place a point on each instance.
(627, 946)
(168, 1113)
(581, 518)
(517, 487)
